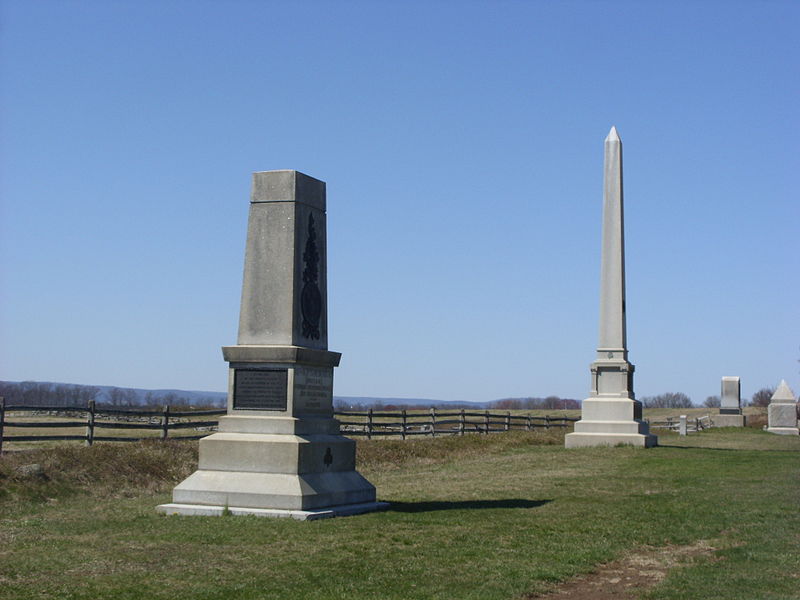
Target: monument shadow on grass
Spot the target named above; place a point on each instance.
(698, 448)
(430, 506)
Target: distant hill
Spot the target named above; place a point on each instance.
(358, 402)
(56, 393)
(43, 393)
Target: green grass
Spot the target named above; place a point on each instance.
(501, 516)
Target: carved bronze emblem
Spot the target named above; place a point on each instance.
(310, 296)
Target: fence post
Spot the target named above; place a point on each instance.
(2, 420)
(528, 424)
(486, 422)
(404, 424)
(369, 424)
(90, 424)
(433, 421)
(165, 423)
(461, 423)
(508, 420)
(547, 421)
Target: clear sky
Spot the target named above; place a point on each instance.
(462, 145)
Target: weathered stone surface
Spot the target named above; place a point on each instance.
(284, 292)
(612, 415)
(733, 420)
(782, 411)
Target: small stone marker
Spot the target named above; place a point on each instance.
(730, 407)
(682, 425)
(782, 411)
(612, 415)
(278, 451)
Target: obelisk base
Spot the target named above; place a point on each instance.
(275, 466)
(610, 422)
(304, 497)
(299, 515)
(279, 451)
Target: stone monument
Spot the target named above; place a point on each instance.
(278, 451)
(782, 411)
(730, 406)
(612, 415)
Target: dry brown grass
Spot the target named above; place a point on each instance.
(104, 470)
(396, 454)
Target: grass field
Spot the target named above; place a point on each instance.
(504, 516)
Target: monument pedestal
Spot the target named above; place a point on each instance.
(729, 420)
(279, 451)
(610, 422)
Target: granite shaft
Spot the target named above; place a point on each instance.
(612, 270)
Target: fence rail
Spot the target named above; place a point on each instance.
(368, 423)
(378, 423)
(103, 418)
(692, 425)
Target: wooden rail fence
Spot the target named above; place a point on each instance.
(693, 425)
(95, 418)
(405, 423)
(369, 423)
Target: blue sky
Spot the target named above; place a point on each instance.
(462, 147)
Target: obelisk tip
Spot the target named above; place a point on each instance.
(613, 136)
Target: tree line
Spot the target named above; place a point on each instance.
(37, 393)
(548, 403)
(681, 400)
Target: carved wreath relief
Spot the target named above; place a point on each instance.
(310, 296)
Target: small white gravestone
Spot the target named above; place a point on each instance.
(782, 411)
(682, 425)
(730, 408)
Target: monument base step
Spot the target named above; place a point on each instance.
(729, 420)
(784, 430)
(587, 440)
(345, 510)
(281, 491)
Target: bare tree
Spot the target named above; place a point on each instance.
(668, 400)
(762, 397)
(122, 396)
(712, 402)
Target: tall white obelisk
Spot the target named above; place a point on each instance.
(612, 415)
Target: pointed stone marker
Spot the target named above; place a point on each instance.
(612, 415)
(782, 411)
(278, 451)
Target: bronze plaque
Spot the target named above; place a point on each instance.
(260, 389)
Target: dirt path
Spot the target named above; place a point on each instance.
(626, 578)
